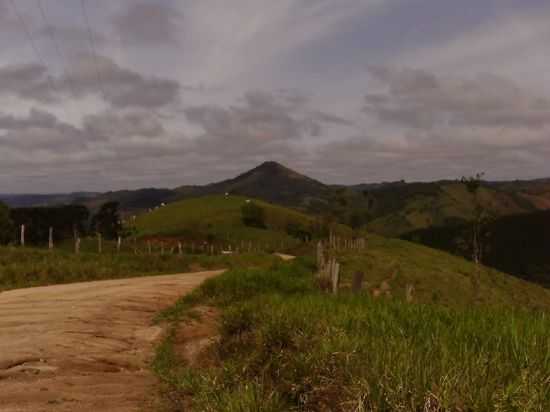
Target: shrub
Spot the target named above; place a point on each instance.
(6, 225)
(253, 215)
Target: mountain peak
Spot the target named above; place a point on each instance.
(271, 165)
(270, 181)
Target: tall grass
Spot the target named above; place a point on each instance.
(25, 267)
(284, 346)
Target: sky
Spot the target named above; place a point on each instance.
(100, 95)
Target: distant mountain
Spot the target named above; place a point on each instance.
(269, 181)
(133, 200)
(37, 200)
(387, 208)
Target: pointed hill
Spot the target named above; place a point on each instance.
(269, 181)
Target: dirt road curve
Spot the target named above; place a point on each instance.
(85, 346)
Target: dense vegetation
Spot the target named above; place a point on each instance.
(285, 346)
(6, 224)
(517, 244)
(65, 220)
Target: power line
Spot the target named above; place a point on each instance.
(27, 32)
(51, 33)
(30, 38)
(39, 56)
(92, 45)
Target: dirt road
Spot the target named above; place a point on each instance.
(84, 346)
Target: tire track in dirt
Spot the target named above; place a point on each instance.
(84, 346)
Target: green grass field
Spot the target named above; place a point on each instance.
(27, 267)
(219, 218)
(285, 346)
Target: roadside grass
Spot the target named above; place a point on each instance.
(27, 267)
(285, 346)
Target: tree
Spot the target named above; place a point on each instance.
(6, 225)
(253, 215)
(481, 215)
(65, 220)
(107, 221)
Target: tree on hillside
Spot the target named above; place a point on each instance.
(107, 221)
(6, 225)
(481, 215)
(253, 215)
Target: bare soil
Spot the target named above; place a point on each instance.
(84, 346)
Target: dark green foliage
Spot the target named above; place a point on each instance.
(65, 221)
(518, 244)
(298, 231)
(253, 215)
(107, 221)
(6, 225)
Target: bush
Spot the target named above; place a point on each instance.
(253, 215)
(6, 225)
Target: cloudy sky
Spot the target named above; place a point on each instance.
(98, 95)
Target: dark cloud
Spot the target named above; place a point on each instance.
(121, 87)
(27, 81)
(39, 131)
(125, 125)
(420, 99)
(261, 123)
(36, 118)
(148, 23)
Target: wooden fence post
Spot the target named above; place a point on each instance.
(77, 245)
(335, 275)
(50, 238)
(320, 256)
(357, 282)
(22, 235)
(118, 244)
(99, 243)
(409, 293)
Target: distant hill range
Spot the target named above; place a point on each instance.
(39, 200)
(390, 208)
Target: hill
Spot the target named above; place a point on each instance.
(219, 218)
(439, 277)
(516, 244)
(270, 181)
(388, 208)
(38, 200)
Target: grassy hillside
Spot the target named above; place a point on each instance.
(437, 277)
(285, 346)
(442, 205)
(219, 219)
